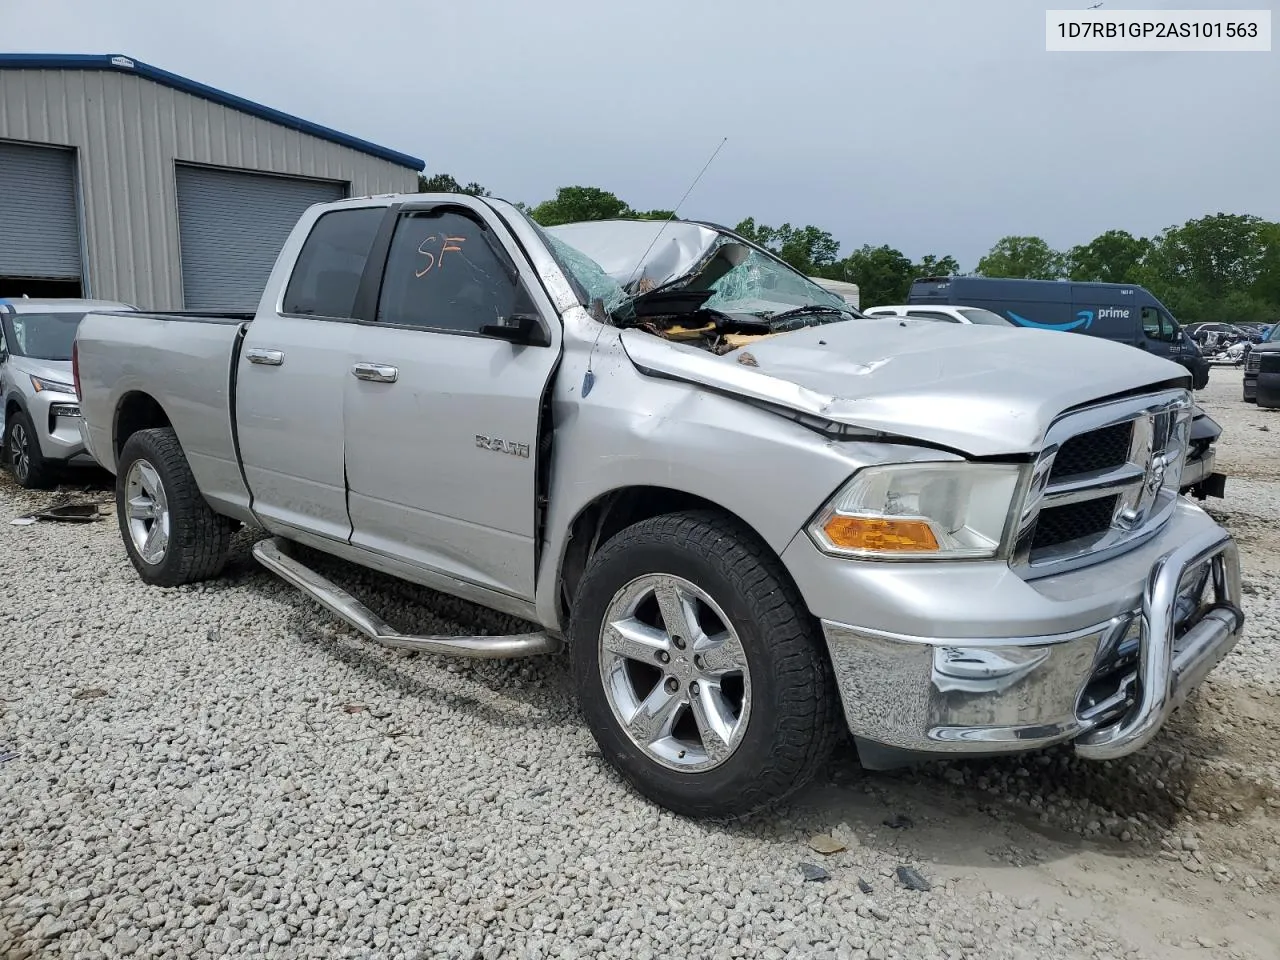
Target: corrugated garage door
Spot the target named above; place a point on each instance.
(39, 228)
(232, 226)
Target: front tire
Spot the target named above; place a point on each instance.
(22, 454)
(169, 531)
(700, 672)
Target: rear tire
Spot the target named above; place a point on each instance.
(745, 611)
(171, 534)
(22, 454)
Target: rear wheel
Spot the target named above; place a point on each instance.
(22, 454)
(171, 534)
(701, 674)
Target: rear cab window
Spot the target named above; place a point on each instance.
(327, 273)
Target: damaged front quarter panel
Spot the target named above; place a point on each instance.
(660, 357)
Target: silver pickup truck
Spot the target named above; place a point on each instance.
(754, 516)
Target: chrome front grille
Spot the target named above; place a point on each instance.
(1106, 479)
(1103, 449)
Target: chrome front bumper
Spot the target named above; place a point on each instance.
(914, 695)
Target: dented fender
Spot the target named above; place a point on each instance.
(618, 429)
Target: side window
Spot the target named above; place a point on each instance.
(1151, 322)
(1158, 325)
(445, 271)
(932, 315)
(327, 273)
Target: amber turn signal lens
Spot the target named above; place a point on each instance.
(877, 535)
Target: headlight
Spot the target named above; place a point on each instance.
(40, 384)
(921, 511)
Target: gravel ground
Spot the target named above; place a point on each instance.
(223, 770)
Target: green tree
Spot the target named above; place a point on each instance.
(445, 183)
(1112, 257)
(1213, 255)
(1267, 285)
(653, 214)
(883, 274)
(576, 204)
(810, 250)
(932, 266)
(1027, 258)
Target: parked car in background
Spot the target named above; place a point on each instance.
(40, 426)
(1124, 313)
(1262, 370)
(753, 517)
(973, 315)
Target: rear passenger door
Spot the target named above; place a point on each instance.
(292, 372)
(442, 420)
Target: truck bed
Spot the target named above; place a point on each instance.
(178, 368)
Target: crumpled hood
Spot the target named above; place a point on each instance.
(57, 370)
(654, 252)
(985, 391)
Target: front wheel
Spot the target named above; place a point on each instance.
(22, 453)
(171, 534)
(701, 674)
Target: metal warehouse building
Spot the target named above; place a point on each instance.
(122, 181)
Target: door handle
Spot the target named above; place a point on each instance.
(377, 372)
(272, 358)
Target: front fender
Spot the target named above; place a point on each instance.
(632, 430)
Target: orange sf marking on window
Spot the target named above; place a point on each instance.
(437, 259)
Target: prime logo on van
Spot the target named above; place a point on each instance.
(1083, 320)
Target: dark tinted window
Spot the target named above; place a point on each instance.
(931, 315)
(444, 272)
(327, 274)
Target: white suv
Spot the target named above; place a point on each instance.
(39, 413)
(941, 313)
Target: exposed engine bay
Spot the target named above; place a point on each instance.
(682, 317)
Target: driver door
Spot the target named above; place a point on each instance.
(441, 419)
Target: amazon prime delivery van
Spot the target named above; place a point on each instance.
(1122, 312)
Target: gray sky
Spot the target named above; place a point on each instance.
(936, 126)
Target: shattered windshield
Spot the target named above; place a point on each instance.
(766, 288)
(625, 265)
(597, 284)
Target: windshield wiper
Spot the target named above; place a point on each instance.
(805, 311)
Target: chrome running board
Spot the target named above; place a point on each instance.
(273, 555)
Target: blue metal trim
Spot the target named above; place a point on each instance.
(112, 61)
